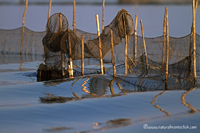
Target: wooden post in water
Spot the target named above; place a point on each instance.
(125, 54)
(23, 23)
(82, 55)
(103, 15)
(194, 7)
(62, 54)
(164, 41)
(135, 36)
(100, 50)
(50, 1)
(74, 13)
(113, 53)
(145, 50)
(70, 66)
(167, 52)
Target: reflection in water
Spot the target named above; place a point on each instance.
(119, 86)
(111, 86)
(154, 101)
(193, 110)
(98, 85)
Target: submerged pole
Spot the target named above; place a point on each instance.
(23, 23)
(100, 50)
(103, 15)
(164, 40)
(82, 55)
(167, 52)
(62, 54)
(145, 50)
(113, 53)
(135, 36)
(74, 13)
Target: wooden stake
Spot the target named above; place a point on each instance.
(70, 66)
(145, 51)
(194, 7)
(167, 51)
(135, 36)
(74, 13)
(103, 15)
(62, 54)
(50, 1)
(82, 55)
(125, 54)
(164, 37)
(113, 53)
(100, 50)
(23, 23)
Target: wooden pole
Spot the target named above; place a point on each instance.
(125, 54)
(145, 51)
(74, 13)
(62, 54)
(167, 51)
(82, 55)
(23, 23)
(164, 40)
(70, 66)
(50, 1)
(194, 7)
(113, 53)
(103, 15)
(135, 36)
(100, 50)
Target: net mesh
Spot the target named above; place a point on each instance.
(56, 40)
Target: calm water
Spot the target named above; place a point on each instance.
(21, 108)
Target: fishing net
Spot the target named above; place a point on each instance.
(148, 71)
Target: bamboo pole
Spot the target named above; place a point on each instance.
(167, 52)
(70, 66)
(145, 51)
(23, 23)
(103, 15)
(194, 7)
(82, 55)
(113, 53)
(74, 13)
(125, 55)
(50, 1)
(62, 54)
(164, 41)
(100, 50)
(135, 36)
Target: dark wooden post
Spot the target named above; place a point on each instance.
(145, 50)
(113, 53)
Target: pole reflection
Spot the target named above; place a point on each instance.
(193, 110)
(158, 107)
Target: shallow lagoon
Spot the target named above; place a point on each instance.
(22, 111)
